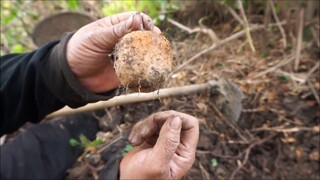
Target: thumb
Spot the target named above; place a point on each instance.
(168, 141)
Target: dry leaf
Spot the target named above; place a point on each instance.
(203, 107)
(314, 156)
(299, 153)
(311, 103)
(288, 140)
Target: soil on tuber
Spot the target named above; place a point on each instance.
(143, 60)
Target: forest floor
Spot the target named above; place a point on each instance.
(277, 135)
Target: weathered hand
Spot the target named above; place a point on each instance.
(166, 146)
(89, 47)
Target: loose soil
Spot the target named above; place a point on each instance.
(277, 135)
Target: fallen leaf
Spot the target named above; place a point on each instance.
(203, 107)
(298, 121)
(288, 140)
(315, 155)
(316, 129)
(299, 153)
(202, 121)
(311, 103)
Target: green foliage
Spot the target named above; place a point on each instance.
(18, 17)
(214, 162)
(127, 149)
(8, 13)
(18, 48)
(158, 10)
(264, 54)
(85, 142)
(283, 78)
(73, 142)
(73, 4)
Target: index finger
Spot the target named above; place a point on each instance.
(189, 129)
(152, 125)
(118, 18)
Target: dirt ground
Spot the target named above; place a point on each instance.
(277, 135)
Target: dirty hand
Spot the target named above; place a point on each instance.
(165, 147)
(89, 47)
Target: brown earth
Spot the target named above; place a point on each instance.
(277, 135)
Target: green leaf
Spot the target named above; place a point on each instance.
(85, 142)
(214, 162)
(73, 4)
(73, 142)
(283, 78)
(18, 48)
(128, 148)
(97, 142)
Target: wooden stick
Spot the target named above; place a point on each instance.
(247, 153)
(210, 32)
(315, 129)
(299, 39)
(312, 70)
(137, 97)
(219, 44)
(246, 26)
(283, 34)
(234, 14)
(271, 69)
(314, 91)
(212, 47)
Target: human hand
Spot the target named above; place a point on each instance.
(166, 146)
(89, 47)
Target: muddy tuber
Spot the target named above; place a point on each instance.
(143, 60)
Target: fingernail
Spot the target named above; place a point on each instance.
(144, 131)
(175, 123)
(129, 21)
(133, 139)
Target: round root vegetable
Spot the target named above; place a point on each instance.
(143, 60)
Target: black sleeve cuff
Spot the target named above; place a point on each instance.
(64, 84)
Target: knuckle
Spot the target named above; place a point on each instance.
(172, 112)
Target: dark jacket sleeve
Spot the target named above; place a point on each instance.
(37, 83)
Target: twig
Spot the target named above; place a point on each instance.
(219, 44)
(218, 155)
(315, 129)
(312, 70)
(271, 69)
(275, 16)
(246, 27)
(291, 75)
(314, 92)
(247, 153)
(210, 32)
(114, 140)
(225, 120)
(299, 39)
(204, 172)
(234, 14)
(137, 97)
